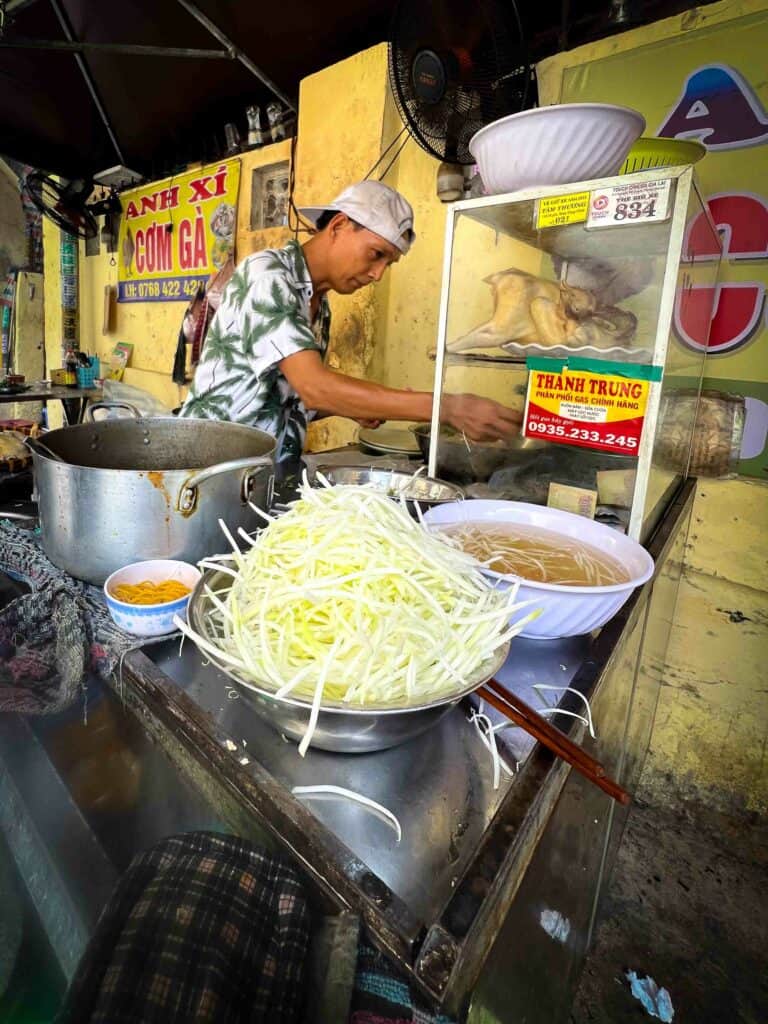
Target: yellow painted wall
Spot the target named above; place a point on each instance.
(29, 344)
(52, 310)
(13, 241)
(550, 71)
(153, 327)
(408, 309)
(341, 123)
(711, 729)
(406, 327)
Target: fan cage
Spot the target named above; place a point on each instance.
(486, 63)
(61, 204)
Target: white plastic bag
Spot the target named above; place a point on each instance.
(143, 401)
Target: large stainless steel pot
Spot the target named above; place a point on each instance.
(124, 490)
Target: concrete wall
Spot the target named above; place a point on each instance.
(408, 312)
(153, 327)
(341, 126)
(13, 242)
(711, 733)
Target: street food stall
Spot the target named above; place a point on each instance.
(483, 867)
(480, 871)
(428, 683)
(489, 885)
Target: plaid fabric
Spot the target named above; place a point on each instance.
(383, 996)
(203, 927)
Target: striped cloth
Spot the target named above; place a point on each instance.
(383, 996)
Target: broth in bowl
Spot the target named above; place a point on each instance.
(537, 554)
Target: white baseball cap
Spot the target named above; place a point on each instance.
(374, 206)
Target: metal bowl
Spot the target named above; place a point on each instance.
(341, 728)
(424, 490)
(474, 461)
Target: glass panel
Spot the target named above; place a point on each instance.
(695, 297)
(516, 290)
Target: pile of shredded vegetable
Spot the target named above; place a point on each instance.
(150, 592)
(346, 598)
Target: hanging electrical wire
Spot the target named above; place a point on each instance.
(382, 155)
(296, 222)
(391, 163)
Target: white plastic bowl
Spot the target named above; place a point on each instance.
(555, 145)
(566, 611)
(150, 619)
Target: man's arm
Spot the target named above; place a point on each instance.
(320, 388)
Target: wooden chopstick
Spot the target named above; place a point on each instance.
(545, 727)
(527, 718)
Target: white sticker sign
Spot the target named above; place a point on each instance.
(636, 202)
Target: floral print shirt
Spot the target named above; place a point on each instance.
(264, 317)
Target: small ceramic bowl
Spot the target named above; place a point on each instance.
(150, 619)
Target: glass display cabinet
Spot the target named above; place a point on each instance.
(599, 295)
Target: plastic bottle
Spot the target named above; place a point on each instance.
(70, 364)
(255, 134)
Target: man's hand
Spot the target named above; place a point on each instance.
(481, 419)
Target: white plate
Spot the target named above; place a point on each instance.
(616, 352)
(390, 440)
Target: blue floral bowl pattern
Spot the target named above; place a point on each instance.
(150, 619)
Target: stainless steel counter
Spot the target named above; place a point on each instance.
(440, 785)
(438, 900)
(457, 902)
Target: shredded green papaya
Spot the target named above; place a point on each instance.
(346, 598)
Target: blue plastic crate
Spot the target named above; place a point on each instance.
(86, 375)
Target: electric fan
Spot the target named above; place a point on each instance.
(68, 204)
(455, 67)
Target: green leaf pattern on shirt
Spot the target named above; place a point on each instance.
(264, 317)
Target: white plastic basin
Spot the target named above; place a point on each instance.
(555, 145)
(565, 611)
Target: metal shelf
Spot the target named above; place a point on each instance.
(467, 359)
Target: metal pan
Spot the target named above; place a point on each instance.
(340, 727)
(467, 462)
(389, 441)
(422, 490)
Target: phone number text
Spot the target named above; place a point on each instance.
(582, 434)
(162, 290)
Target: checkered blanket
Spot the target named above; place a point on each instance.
(201, 928)
(52, 637)
(206, 928)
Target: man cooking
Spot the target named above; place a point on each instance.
(262, 362)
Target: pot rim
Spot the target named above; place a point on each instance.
(87, 429)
